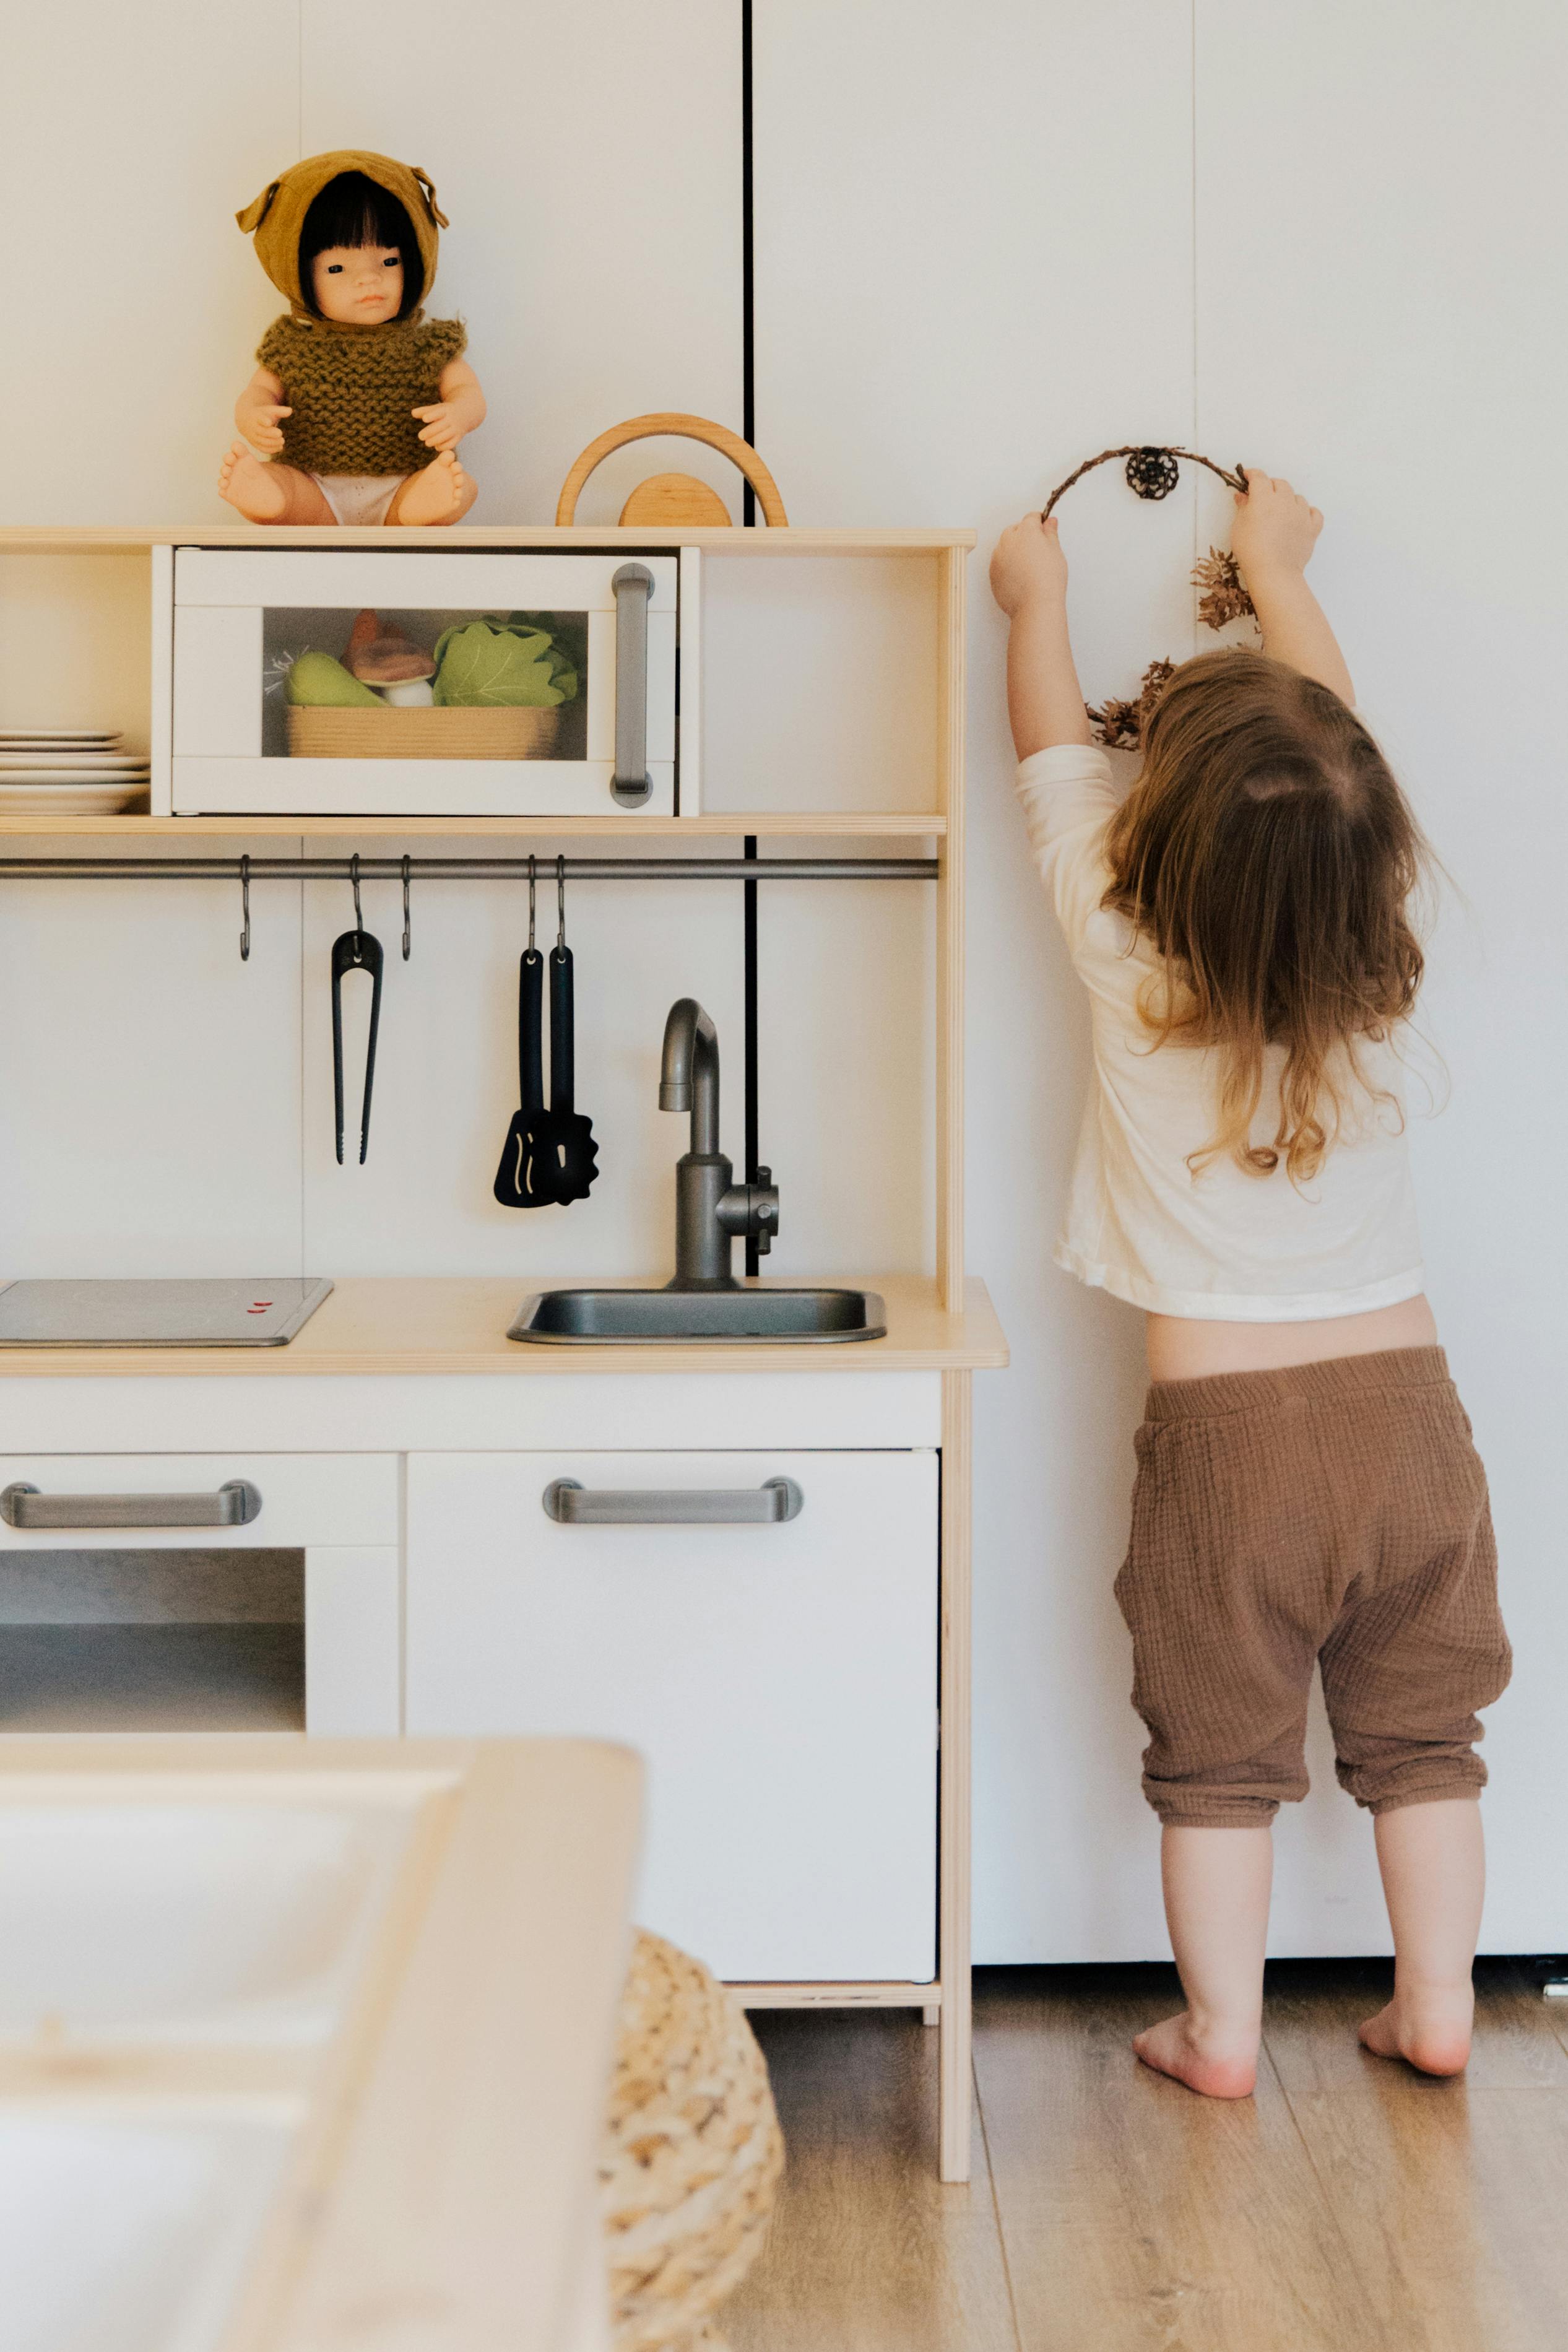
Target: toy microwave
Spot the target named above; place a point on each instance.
(308, 682)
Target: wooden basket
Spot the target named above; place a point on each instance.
(426, 733)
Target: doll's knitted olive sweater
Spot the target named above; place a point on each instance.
(352, 388)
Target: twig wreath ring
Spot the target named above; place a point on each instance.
(1152, 471)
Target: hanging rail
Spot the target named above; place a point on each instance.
(467, 869)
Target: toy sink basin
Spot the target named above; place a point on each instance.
(626, 1318)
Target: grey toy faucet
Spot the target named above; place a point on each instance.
(711, 1209)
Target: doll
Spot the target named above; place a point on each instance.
(355, 411)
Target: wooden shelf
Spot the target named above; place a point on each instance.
(824, 825)
(64, 539)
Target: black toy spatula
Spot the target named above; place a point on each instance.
(518, 1183)
(565, 1155)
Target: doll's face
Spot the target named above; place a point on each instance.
(358, 285)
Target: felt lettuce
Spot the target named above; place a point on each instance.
(492, 662)
(323, 684)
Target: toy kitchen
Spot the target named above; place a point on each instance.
(718, 1514)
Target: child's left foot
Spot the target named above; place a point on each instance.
(1429, 2029)
(439, 493)
(1221, 2066)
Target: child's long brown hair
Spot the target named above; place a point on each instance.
(1268, 856)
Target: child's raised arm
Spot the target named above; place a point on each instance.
(1028, 581)
(1273, 540)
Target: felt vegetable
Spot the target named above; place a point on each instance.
(322, 684)
(492, 662)
(380, 655)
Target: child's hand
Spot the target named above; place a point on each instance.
(260, 428)
(1028, 566)
(1275, 529)
(442, 427)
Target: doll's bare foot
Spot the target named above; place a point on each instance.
(441, 492)
(254, 489)
(1429, 2027)
(1221, 2065)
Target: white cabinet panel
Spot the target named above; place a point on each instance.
(217, 683)
(780, 1681)
(353, 1641)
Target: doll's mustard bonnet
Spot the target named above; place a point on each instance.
(277, 215)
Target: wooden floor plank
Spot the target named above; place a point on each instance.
(1136, 2217)
(868, 2251)
(1451, 2194)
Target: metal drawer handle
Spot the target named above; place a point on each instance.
(235, 1505)
(632, 783)
(567, 1501)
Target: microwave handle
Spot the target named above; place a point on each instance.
(632, 783)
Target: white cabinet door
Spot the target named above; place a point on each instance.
(780, 1681)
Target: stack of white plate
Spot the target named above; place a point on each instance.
(69, 771)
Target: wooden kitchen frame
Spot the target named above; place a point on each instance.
(948, 2000)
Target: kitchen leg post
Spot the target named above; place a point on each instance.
(955, 2064)
(950, 623)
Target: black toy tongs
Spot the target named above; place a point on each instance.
(355, 951)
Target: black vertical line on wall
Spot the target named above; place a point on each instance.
(748, 517)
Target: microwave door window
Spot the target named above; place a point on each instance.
(428, 683)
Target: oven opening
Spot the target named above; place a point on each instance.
(164, 1640)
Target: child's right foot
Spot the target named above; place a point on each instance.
(251, 486)
(1221, 2066)
(1430, 2030)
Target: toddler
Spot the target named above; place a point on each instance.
(1306, 1489)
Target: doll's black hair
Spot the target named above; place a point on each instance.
(352, 210)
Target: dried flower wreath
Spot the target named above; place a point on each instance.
(1152, 472)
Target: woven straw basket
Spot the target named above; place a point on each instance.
(692, 2154)
(426, 733)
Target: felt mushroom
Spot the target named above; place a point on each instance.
(380, 655)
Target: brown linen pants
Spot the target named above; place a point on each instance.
(1334, 1511)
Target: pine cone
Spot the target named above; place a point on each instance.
(1115, 725)
(1225, 596)
(1153, 473)
(1120, 725)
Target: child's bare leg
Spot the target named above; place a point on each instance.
(269, 493)
(1216, 1884)
(1433, 1861)
(440, 492)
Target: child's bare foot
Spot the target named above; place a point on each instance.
(1221, 2065)
(257, 489)
(1429, 2028)
(439, 493)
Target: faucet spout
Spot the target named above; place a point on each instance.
(688, 1074)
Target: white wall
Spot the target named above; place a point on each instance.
(987, 244)
(1329, 241)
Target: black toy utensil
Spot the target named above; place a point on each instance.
(517, 1177)
(563, 1138)
(355, 951)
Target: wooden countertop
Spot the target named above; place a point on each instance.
(416, 1326)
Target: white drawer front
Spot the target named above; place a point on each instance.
(307, 1499)
(780, 1679)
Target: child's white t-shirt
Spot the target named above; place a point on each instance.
(1219, 1244)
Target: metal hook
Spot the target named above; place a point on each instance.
(407, 919)
(560, 902)
(531, 880)
(245, 903)
(354, 878)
